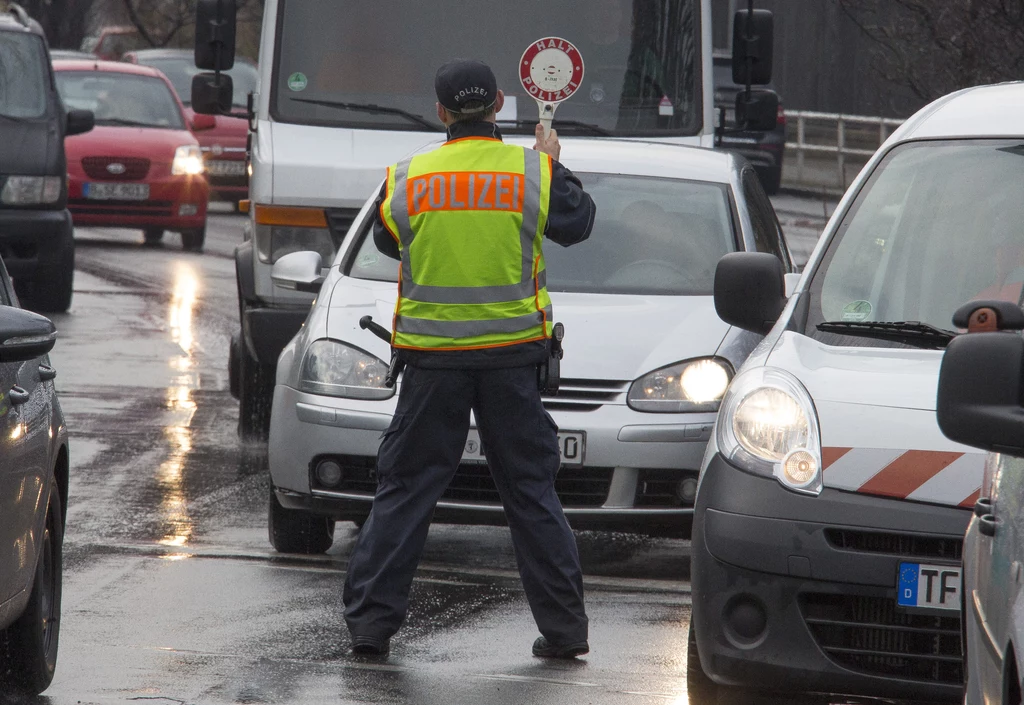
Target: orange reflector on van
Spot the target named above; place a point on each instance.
(291, 216)
(244, 205)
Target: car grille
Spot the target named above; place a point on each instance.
(82, 206)
(908, 545)
(135, 168)
(585, 395)
(576, 487)
(869, 634)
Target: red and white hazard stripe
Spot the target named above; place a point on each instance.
(938, 477)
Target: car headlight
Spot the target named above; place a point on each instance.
(768, 426)
(695, 385)
(31, 190)
(275, 241)
(335, 369)
(188, 160)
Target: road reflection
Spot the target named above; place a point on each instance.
(177, 521)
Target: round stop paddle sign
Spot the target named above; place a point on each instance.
(551, 70)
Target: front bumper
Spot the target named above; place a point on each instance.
(800, 592)
(174, 203)
(33, 238)
(633, 466)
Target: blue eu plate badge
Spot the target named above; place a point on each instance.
(909, 573)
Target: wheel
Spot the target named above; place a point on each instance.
(234, 362)
(255, 396)
(28, 648)
(771, 179)
(153, 236)
(193, 240)
(294, 531)
(51, 288)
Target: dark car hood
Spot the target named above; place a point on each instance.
(31, 148)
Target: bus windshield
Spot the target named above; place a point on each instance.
(642, 61)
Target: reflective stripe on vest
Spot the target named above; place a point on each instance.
(467, 280)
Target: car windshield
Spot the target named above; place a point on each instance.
(121, 98)
(937, 225)
(651, 236)
(180, 71)
(23, 75)
(636, 54)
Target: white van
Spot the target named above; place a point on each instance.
(829, 522)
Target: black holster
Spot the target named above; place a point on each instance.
(549, 373)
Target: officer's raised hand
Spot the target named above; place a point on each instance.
(549, 145)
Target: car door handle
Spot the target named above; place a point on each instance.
(987, 525)
(983, 507)
(18, 395)
(46, 373)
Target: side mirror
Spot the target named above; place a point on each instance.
(212, 95)
(750, 290)
(299, 271)
(203, 122)
(759, 112)
(79, 122)
(215, 34)
(980, 386)
(753, 44)
(24, 335)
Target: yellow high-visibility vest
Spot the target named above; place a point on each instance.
(469, 218)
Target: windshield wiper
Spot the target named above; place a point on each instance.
(374, 110)
(559, 124)
(919, 335)
(124, 122)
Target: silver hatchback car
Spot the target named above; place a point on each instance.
(647, 359)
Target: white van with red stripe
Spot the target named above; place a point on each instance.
(829, 521)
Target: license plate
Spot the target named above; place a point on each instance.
(225, 168)
(116, 192)
(571, 446)
(933, 587)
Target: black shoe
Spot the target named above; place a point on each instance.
(543, 648)
(370, 646)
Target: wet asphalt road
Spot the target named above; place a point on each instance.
(171, 591)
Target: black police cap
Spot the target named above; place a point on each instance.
(463, 81)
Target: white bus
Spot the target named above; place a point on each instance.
(347, 87)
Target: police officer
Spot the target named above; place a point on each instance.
(472, 323)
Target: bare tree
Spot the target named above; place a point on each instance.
(64, 21)
(933, 47)
(172, 22)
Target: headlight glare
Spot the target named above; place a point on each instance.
(188, 160)
(335, 369)
(768, 426)
(691, 386)
(31, 190)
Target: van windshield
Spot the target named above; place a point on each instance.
(939, 224)
(24, 76)
(637, 54)
(651, 236)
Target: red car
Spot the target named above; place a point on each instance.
(141, 167)
(225, 145)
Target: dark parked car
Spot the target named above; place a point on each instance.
(33, 498)
(762, 149)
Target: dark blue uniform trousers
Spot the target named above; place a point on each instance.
(418, 456)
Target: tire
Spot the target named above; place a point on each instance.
(294, 531)
(153, 236)
(193, 240)
(255, 396)
(28, 648)
(51, 288)
(234, 363)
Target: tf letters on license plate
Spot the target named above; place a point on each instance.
(934, 587)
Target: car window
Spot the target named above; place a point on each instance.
(24, 75)
(767, 233)
(651, 236)
(180, 71)
(121, 98)
(937, 225)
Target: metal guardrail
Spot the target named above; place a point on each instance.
(830, 134)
